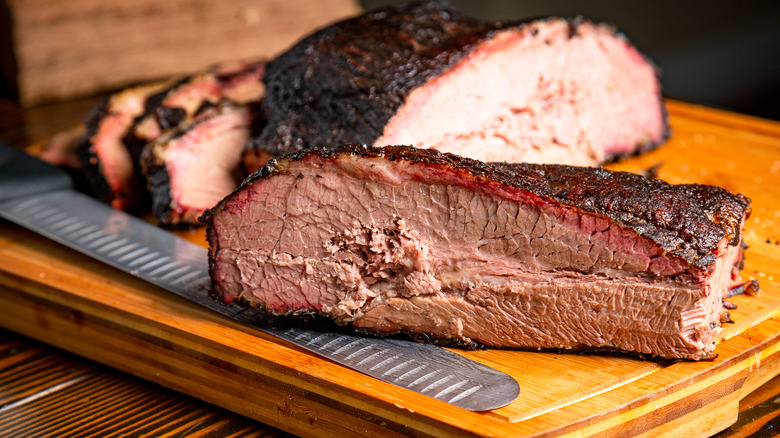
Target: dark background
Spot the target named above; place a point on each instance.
(724, 54)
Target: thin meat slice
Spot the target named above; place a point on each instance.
(238, 82)
(454, 250)
(553, 90)
(118, 129)
(109, 166)
(191, 168)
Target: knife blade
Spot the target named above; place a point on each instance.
(40, 197)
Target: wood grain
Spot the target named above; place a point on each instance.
(51, 293)
(45, 392)
(758, 414)
(67, 49)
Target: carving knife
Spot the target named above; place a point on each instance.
(40, 197)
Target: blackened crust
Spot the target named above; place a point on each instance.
(155, 101)
(344, 83)
(688, 220)
(158, 183)
(90, 164)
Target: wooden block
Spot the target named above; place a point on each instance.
(67, 49)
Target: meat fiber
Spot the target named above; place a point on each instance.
(454, 250)
(191, 168)
(555, 90)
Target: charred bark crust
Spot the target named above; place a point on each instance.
(343, 83)
(155, 169)
(90, 164)
(158, 183)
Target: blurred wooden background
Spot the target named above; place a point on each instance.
(723, 55)
(54, 49)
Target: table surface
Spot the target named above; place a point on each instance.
(45, 391)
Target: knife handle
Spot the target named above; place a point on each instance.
(24, 175)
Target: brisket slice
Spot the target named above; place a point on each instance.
(451, 249)
(118, 129)
(239, 82)
(567, 91)
(108, 165)
(192, 167)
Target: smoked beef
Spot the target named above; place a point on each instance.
(121, 127)
(238, 82)
(555, 90)
(450, 249)
(107, 163)
(191, 168)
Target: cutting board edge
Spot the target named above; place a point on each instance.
(44, 314)
(108, 343)
(740, 374)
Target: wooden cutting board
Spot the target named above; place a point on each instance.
(56, 295)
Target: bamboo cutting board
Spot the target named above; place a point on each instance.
(56, 295)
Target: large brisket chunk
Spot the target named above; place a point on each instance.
(400, 239)
(552, 90)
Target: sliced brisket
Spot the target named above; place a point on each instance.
(239, 82)
(551, 90)
(191, 168)
(441, 247)
(120, 127)
(107, 163)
